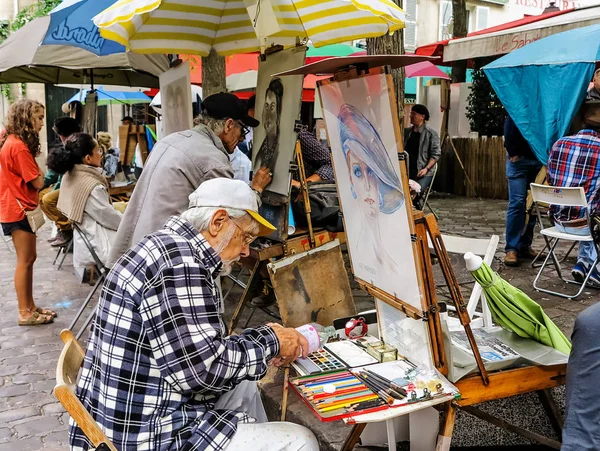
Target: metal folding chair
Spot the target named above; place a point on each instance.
(65, 249)
(564, 197)
(101, 270)
(428, 191)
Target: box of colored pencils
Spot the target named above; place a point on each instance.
(339, 394)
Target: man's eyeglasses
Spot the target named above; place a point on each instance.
(245, 130)
(248, 239)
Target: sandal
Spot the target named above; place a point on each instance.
(47, 312)
(36, 320)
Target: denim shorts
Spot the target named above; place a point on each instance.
(9, 227)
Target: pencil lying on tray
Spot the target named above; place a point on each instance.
(346, 403)
(307, 379)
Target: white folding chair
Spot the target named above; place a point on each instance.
(101, 270)
(564, 197)
(486, 249)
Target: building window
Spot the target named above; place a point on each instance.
(481, 17)
(410, 32)
(445, 20)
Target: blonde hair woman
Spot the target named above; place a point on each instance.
(110, 163)
(20, 181)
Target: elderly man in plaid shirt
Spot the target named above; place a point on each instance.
(160, 372)
(575, 161)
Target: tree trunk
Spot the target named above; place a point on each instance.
(213, 74)
(392, 45)
(460, 29)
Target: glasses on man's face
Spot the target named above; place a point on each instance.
(247, 238)
(244, 130)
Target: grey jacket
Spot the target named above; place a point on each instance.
(429, 146)
(177, 165)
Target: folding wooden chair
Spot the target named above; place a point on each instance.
(485, 248)
(102, 271)
(67, 371)
(565, 197)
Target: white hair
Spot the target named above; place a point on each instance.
(200, 217)
(216, 125)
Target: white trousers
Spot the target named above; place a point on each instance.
(262, 435)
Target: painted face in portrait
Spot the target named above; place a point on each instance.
(364, 186)
(373, 179)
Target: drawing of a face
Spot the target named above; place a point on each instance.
(270, 117)
(364, 185)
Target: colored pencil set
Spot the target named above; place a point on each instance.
(340, 392)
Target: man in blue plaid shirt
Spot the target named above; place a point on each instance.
(160, 372)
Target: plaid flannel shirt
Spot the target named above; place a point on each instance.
(317, 159)
(575, 161)
(157, 359)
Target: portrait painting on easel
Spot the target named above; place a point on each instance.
(361, 128)
(278, 103)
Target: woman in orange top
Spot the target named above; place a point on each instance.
(21, 179)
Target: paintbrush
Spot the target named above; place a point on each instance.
(386, 381)
(381, 391)
(381, 386)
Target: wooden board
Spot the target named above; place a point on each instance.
(312, 286)
(510, 383)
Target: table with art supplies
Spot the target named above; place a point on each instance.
(357, 378)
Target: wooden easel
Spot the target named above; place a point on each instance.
(132, 135)
(476, 388)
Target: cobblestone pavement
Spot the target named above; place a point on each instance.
(30, 416)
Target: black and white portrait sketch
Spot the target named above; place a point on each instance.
(278, 103)
(271, 116)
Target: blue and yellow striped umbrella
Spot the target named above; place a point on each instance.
(197, 26)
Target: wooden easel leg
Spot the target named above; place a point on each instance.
(455, 293)
(353, 437)
(284, 398)
(242, 303)
(552, 411)
(446, 428)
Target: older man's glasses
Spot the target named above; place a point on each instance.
(247, 238)
(244, 130)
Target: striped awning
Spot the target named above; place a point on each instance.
(196, 26)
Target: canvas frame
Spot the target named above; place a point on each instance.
(393, 299)
(176, 83)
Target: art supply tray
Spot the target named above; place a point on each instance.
(351, 391)
(336, 395)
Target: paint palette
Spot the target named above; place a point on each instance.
(320, 361)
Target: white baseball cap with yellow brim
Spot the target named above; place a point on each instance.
(229, 193)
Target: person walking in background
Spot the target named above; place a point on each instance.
(422, 143)
(84, 196)
(63, 127)
(20, 181)
(521, 169)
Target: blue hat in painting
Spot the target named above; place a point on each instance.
(358, 135)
